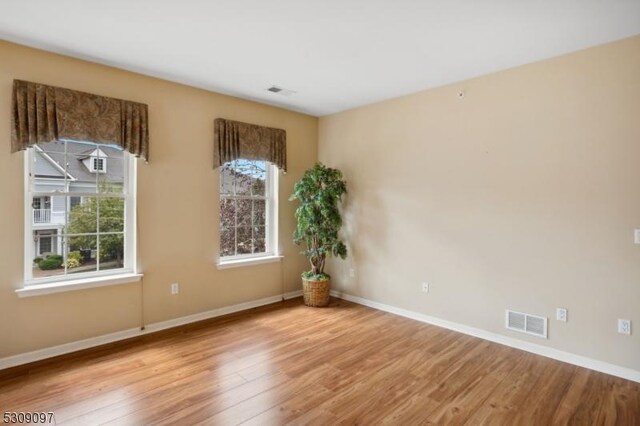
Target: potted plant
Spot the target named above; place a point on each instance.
(318, 222)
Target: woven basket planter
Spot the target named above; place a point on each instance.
(316, 293)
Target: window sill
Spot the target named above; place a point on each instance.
(29, 290)
(237, 263)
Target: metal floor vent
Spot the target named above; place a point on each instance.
(526, 323)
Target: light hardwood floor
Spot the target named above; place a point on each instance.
(287, 363)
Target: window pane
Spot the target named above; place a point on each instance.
(48, 168)
(226, 179)
(83, 217)
(250, 176)
(227, 242)
(47, 250)
(243, 181)
(111, 214)
(259, 241)
(259, 176)
(111, 251)
(79, 165)
(243, 212)
(82, 179)
(41, 212)
(111, 175)
(46, 242)
(259, 212)
(82, 253)
(244, 240)
(74, 201)
(227, 213)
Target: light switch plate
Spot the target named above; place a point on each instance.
(561, 314)
(636, 236)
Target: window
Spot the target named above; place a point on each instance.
(46, 242)
(41, 209)
(248, 210)
(99, 165)
(78, 224)
(74, 201)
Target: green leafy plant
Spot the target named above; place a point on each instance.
(318, 217)
(74, 259)
(83, 220)
(53, 261)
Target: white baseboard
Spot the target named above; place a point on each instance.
(66, 348)
(163, 325)
(604, 367)
(570, 358)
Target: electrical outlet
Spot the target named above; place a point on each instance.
(636, 236)
(561, 314)
(175, 289)
(425, 287)
(624, 326)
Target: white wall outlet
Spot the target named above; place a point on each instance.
(425, 287)
(624, 326)
(352, 272)
(636, 236)
(561, 314)
(175, 288)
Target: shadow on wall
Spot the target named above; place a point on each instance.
(374, 224)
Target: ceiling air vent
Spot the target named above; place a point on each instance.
(526, 323)
(280, 91)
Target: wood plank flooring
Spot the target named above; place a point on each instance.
(290, 364)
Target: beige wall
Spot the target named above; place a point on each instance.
(524, 195)
(178, 235)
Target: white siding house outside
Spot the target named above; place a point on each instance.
(50, 212)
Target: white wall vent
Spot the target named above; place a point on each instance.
(526, 323)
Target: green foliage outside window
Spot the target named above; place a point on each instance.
(52, 261)
(83, 220)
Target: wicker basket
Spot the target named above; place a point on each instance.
(316, 293)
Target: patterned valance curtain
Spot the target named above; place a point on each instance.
(42, 113)
(234, 140)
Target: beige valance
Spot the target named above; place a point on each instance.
(42, 113)
(234, 140)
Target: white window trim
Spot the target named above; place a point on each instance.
(79, 284)
(249, 261)
(271, 232)
(31, 286)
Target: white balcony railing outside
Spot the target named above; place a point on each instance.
(41, 215)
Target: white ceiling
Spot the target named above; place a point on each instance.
(335, 54)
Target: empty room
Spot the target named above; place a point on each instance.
(320, 212)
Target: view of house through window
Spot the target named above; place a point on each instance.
(79, 195)
(246, 208)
